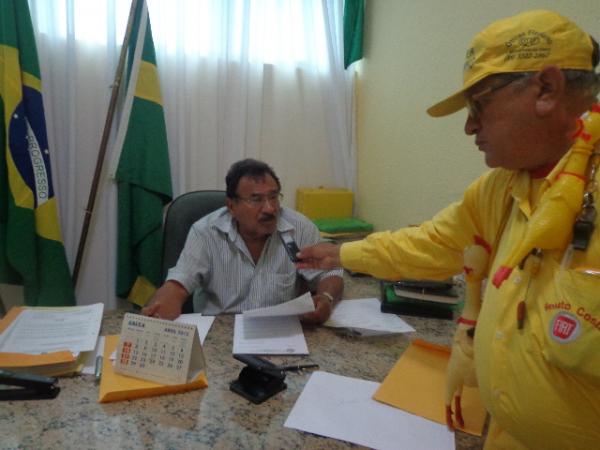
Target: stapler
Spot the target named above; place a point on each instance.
(24, 386)
(259, 380)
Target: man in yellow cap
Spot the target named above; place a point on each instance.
(527, 82)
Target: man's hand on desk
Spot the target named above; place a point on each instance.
(323, 308)
(329, 291)
(320, 256)
(167, 301)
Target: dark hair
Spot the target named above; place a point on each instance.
(585, 81)
(595, 52)
(247, 168)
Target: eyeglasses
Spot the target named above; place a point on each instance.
(477, 102)
(257, 201)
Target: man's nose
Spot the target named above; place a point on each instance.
(472, 125)
(270, 205)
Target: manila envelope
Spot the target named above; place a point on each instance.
(115, 387)
(417, 383)
(50, 364)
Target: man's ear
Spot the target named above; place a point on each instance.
(229, 204)
(552, 84)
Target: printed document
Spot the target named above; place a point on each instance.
(43, 330)
(364, 317)
(268, 336)
(342, 408)
(295, 307)
(203, 323)
(89, 358)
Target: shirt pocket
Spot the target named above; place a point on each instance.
(274, 288)
(571, 321)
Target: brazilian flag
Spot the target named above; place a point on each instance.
(143, 173)
(354, 13)
(31, 248)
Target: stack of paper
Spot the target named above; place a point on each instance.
(48, 341)
(299, 305)
(364, 317)
(342, 408)
(203, 323)
(274, 330)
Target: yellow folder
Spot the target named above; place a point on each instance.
(416, 384)
(48, 364)
(115, 387)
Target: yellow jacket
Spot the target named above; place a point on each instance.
(540, 383)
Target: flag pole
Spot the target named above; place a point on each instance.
(103, 143)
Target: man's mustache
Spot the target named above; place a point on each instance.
(266, 218)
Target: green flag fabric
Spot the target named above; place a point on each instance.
(354, 12)
(31, 248)
(143, 173)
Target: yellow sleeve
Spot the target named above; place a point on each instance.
(434, 249)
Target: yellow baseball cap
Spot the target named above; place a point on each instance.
(526, 42)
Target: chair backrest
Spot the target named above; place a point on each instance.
(181, 214)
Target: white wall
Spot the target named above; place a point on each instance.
(411, 165)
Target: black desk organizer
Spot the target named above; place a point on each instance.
(391, 303)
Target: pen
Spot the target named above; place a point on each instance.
(297, 367)
(98, 368)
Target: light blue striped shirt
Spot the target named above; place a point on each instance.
(216, 260)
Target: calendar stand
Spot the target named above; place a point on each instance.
(158, 350)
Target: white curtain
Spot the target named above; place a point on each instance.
(239, 78)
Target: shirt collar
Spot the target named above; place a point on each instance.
(226, 223)
(542, 172)
(521, 183)
(283, 225)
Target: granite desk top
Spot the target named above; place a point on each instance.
(214, 417)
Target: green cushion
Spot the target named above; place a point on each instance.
(344, 225)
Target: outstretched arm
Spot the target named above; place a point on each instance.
(167, 301)
(320, 256)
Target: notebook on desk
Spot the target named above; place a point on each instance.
(393, 303)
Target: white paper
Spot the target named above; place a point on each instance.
(43, 330)
(364, 317)
(300, 305)
(89, 363)
(203, 323)
(342, 408)
(268, 336)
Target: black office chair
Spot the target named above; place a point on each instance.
(181, 214)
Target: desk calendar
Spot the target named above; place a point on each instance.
(159, 350)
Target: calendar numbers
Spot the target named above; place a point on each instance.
(143, 354)
(154, 349)
(180, 359)
(125, 353)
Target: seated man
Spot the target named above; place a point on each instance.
(235, 254)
